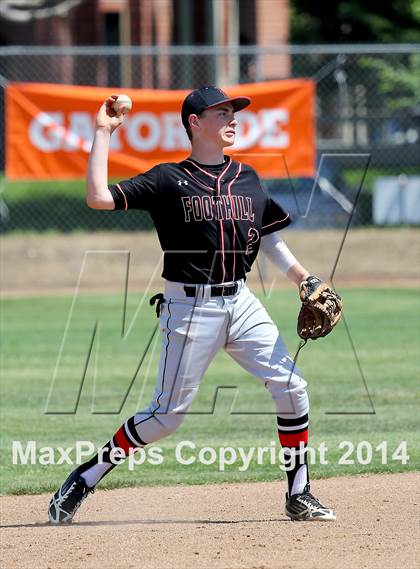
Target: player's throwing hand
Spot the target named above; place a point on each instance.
(107, 117)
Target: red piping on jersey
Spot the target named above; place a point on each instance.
(123, 195)
(222, 237)
(197, 180)
(202, 169)
(274, 222)
(233, 217)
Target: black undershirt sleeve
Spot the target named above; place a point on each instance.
(139, 192)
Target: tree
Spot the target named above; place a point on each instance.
(399, 82)
(350, 21)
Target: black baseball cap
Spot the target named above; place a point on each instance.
(206, 97)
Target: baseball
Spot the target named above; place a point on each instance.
(122, 104)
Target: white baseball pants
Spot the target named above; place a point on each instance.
(193, 330)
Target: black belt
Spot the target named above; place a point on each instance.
(216, 290)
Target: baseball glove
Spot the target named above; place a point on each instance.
(320, 311)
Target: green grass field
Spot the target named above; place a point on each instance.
(385, 333)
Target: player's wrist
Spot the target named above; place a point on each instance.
(297, 274)
(103, 129)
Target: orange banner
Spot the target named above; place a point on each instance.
(49, 130)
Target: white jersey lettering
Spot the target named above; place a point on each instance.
(220, 208)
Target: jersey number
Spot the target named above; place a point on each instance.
(253, 237)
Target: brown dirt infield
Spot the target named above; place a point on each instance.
(237, 526)
(39, 264)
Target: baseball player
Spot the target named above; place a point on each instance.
(212, 216)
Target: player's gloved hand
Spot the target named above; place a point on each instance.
(107, 118)
(320, 311)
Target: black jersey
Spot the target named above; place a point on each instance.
(209, 222)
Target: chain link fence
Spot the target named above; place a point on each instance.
(367, 121)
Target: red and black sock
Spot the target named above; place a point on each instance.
(125, 440)
(293, 436)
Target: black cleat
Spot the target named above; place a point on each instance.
(66, 501)
(305, 507)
